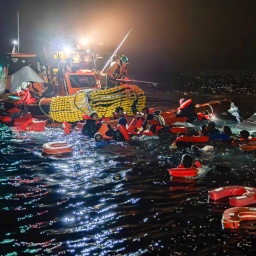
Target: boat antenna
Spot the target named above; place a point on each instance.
(18, 25)
(115, 51)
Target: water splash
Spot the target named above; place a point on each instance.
(234, 111)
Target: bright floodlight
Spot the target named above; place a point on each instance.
(67, 50)
(84, 41)
(14, 42)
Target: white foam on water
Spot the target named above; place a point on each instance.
(234, 111)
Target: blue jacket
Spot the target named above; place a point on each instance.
(219, 136)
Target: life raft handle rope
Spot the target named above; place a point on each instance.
(205, 104)
(86, 101)
(39, 105)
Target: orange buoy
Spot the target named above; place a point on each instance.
(232, 217)
(57, 147)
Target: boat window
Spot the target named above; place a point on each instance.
(82, 81)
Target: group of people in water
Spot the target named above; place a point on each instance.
(143, 119)
(123, 131)
(208, 128)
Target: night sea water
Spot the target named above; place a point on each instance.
(119, 199)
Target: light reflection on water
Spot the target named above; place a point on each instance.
(115, 200)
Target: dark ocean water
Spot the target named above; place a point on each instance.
(119, 199)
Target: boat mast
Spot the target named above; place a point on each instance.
(115, 51)
(18, 40)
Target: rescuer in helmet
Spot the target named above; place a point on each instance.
(117, 70)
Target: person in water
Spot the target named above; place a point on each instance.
(186, 110)
(115, 133)
(119, 112)
(243, 137)
(117, 70)
(223, 135)
(155, 115)
(209, 128)
(91, 125)
(187, 162)
(99, 142)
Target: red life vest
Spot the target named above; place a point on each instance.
(201, 116)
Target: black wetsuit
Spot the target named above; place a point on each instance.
(90, 127)
(188, 112)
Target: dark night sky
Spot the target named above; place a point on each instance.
(167, 35)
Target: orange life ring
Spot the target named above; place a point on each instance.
(176, 129)
(232, 217)
(243, 200)
(57, 147)
(185, 104)
(183, 172)
(186, 138)
(218, 193)
(124, 132)
(250, 145)
(240, 196)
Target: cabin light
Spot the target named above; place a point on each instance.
(84, 41)
(67, 50)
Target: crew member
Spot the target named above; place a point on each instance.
(117, 70)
